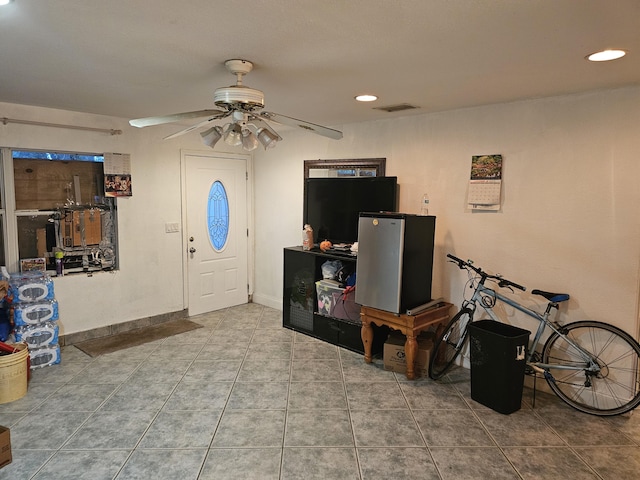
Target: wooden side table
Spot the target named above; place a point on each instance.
(409, 325)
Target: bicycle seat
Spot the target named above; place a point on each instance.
(552, 297)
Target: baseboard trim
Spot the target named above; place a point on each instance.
(72, 338)
(267, 301)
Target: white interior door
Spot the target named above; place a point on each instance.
(216, 231)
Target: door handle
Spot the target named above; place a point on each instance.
(192, 250)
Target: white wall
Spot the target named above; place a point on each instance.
(149, 281)
(570, 219)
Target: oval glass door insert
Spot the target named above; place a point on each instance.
(218, 216)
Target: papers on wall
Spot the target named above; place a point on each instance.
(486, 182)
(117, 174)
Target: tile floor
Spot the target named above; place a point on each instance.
(243, 398)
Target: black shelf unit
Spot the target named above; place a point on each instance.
(302, 269)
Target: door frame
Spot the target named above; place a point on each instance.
(183, 224)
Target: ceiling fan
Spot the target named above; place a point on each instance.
(244, 105)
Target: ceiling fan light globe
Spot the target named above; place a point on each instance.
(211, 136)
(233, 135)
(249, 140)
(266, 138)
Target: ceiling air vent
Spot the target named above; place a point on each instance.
(396, 108)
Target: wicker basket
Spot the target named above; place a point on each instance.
(14, 372)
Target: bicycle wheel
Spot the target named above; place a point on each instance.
(614, 388)
(449, 345)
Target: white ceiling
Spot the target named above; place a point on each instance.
(140, 58)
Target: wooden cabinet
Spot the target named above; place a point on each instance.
(300, 311)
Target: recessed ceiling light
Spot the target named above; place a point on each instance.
(606, 55)
(5, 2)
(366, 98)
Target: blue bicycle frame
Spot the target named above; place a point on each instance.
(478, 298)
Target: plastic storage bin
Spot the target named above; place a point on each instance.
(498, 357)
(325, 290)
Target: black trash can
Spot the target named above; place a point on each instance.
(498, 356)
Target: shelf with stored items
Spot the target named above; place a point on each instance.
(320, 308)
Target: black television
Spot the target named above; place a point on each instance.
(332, 206)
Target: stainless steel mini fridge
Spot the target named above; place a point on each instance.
(395, 260)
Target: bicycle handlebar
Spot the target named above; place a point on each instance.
(508, 283)
(502, 282)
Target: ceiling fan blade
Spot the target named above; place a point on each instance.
(319, 129)
(197, 125)
(149, 121)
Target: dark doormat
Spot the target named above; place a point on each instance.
(138, 336)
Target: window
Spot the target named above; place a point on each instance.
(218, 216)
(55, 202)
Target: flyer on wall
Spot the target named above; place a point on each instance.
(117, 175)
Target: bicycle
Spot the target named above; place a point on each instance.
(592, 366)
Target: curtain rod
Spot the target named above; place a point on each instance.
(6, 120)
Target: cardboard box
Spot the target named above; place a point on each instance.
(41, 241)
(92, 227)
(394, 356)
(5, 446)
(33, 265)
(73, 232)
